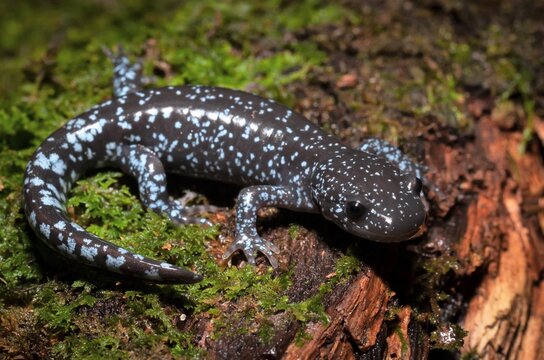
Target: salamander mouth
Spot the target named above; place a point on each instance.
(396, 237)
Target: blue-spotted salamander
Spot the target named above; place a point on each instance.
(280, 158)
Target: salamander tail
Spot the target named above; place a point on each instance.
(45, 188)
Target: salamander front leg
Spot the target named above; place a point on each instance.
(250, 200)
(141, 163)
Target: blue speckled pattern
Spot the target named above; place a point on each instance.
(279, 157)
(393, 155)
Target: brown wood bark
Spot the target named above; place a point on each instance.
(505, 314)
(355, 321)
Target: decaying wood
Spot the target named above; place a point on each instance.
(504, 316)
(356, 321)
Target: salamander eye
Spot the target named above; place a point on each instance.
(355, 210)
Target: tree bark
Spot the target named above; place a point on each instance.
(505, 313)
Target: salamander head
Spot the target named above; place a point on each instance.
(369, 197)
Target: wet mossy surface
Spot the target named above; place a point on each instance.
(387, 69)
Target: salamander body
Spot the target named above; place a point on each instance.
(280, 158)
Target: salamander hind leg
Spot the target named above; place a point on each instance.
(142, 163)
(188, 197)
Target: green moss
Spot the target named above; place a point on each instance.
(437, 94)
(223, 65)
(429, 281)
(159, 325)
(57, 307)
(429, 293)
(346, 266)
(517, 81)
(266, 331)
(106, 212)
(16, 261)
(294, 231)
(403, 340)
(444, 101)
(74, 317)
(102, 347)
(302, 337)
(313, 308)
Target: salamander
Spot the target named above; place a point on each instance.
(278, 157)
